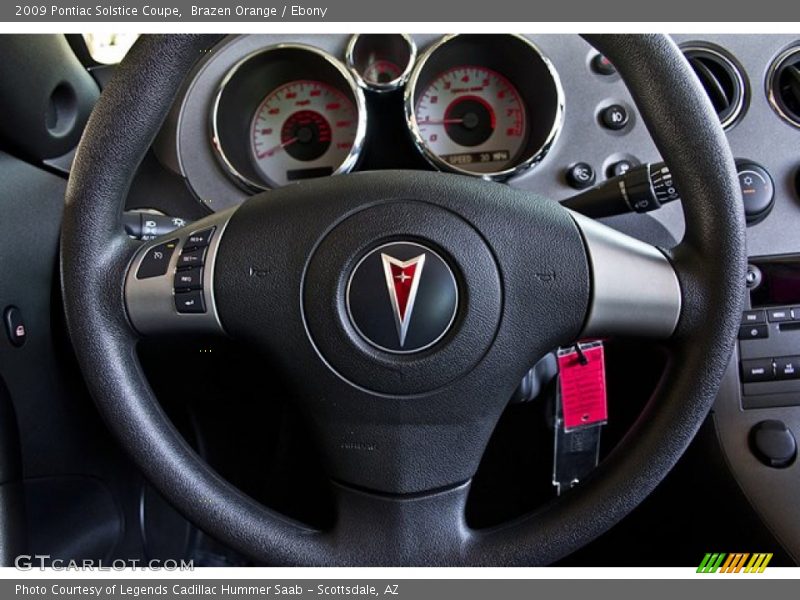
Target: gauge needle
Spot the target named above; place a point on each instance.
(441, 122)
(277, 147)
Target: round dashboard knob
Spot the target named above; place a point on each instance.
(773, 443)
(758, 190)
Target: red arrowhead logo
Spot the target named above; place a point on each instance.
(402, 281)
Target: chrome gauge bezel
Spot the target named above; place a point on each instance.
(248, 183)
(536, 156)
(389, 86)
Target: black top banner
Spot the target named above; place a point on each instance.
(348, 11)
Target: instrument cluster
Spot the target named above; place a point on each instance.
(490, 106)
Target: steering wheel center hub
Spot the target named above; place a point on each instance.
(402, 284)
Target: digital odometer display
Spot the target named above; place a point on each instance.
(302, 129)
(473, 118)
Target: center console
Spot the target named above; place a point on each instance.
(757, 412)
(769, 338)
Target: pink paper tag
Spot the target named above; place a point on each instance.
(583, 388)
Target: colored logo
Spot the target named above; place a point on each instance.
(402, 282)
(402, 297)
(741, 562)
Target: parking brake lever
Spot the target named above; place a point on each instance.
(641, 189)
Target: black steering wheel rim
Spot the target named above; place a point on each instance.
(710, 263)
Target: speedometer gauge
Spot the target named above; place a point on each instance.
(285, 113)
(472, 117)
(302, 129)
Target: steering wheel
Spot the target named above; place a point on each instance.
(404, 308)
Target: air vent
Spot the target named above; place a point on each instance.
(722, 80)
(783, 85)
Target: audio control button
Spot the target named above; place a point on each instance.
(753, 332)
(787, 367)
(760, 369)
(753, 317)
(778, 315)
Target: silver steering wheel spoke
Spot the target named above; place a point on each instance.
(635, 290)
(169, 287)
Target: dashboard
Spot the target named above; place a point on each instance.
(545, 113)
(542, 112)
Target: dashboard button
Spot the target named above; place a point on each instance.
(753, 277)
(580, 176)
(614, 117)
(758, 190)
(753, 332)
(620, 168)
(199, 239)
(787, 367)
(15, 326)
(190, 302)
(192, 258)
(773, 443)
(777, 315)
(760, 369)
(753, 317)
(602, 66)
(156, 260)
(189, 279)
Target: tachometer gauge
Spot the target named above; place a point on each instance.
(302, 129)
(472, 117)
(484, 105)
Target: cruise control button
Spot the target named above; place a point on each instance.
(787, 367)
(614, 117)
(199, 239)
(753, 332)
(192, 258)
(753, 317)
(190, 302)
(188, 279)
(156, 260)
(776, 315)
(757, 370)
